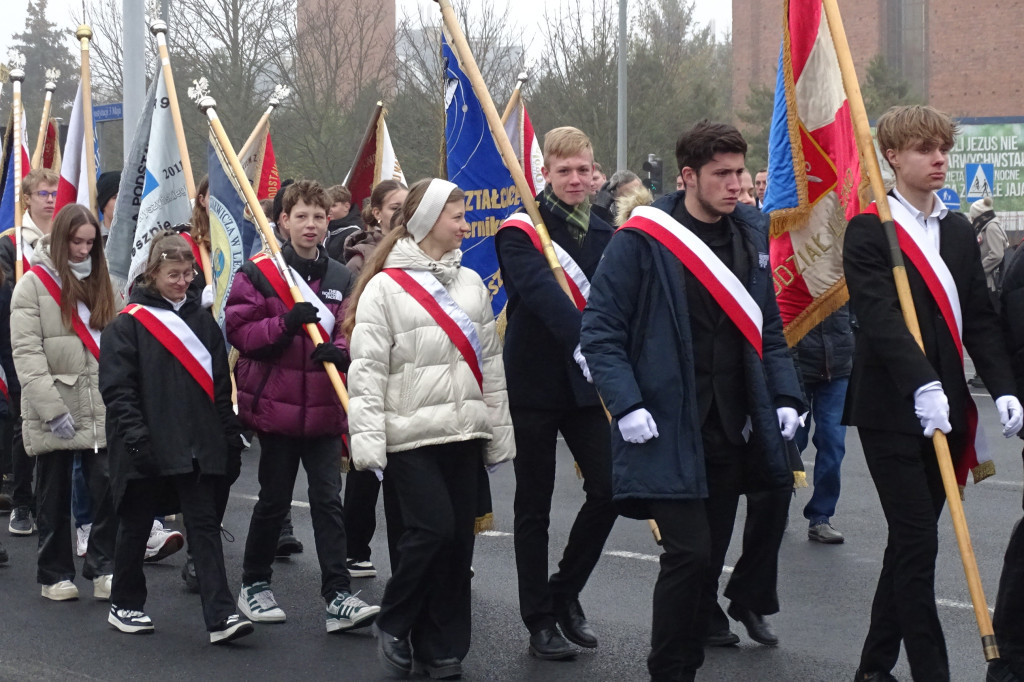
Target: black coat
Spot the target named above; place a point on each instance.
(638, 342)
(153, 403)
(338, 231)
(888, 365)
(543, 324)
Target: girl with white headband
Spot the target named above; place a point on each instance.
(428, 404)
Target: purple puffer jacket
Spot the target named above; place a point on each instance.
(280, 389)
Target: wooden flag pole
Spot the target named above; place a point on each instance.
(869, 161)
(17, 77)
(208, 106)
(513, 101)
(508, 155)
(260, 127)
(371, 128)
(37, 155)
(84, 35)
(159, 29)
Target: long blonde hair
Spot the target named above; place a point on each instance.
(95, 291)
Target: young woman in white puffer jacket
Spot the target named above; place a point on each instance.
(428, 405)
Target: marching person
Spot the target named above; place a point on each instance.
(57, 312)
(286, 397)
(385, 200)
(164, 364)
(549, 392)
(428, 408)
(688, 278)
(899, 396)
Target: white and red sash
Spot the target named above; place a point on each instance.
(79, 318)
(3, 384)
(723, 285)
(268, 267)
(579, 285)
(921, 252)
(195, 247)
(436, 300)
(26, 250)
(177, 337)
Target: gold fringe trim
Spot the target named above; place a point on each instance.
(485, 522)
(793, 115)
(579, 474)
(800, 479)
(983, 471)
(832, 300)
(787, 219)
(501, 322)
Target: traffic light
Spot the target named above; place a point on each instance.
(655, 179)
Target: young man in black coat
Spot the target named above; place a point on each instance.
(897, 391)
(701, 408)
(549, 393)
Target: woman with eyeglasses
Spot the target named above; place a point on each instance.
(58, 309)
(164, 364)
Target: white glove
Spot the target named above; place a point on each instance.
(207, 298)
(638, 426)
(789, 420)
(63, 426)
(379, 473)
(577, 355)
(1010, 414)
(932, 407)
(492, 468)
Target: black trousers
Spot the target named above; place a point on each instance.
(1007, 620)
(22, 466)
(361, 492)
(56, 560)
(279, 463)
(198, 494)
(676, 648)
(754, 580)
(906, 475)
(586, 432)
(428, 596)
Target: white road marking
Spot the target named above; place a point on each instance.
(958, 604)
(295, 503)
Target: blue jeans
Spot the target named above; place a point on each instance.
(827, 399)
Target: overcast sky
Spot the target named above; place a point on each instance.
(59, 11)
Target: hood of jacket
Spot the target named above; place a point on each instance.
(41, 253)
(30, 232)
(407, 255)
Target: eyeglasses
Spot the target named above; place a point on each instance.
(46, 195)
(188, 276)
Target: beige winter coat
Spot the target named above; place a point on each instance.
(57, 372)
(409, 386)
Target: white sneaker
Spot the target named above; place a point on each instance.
(257, 603)
(62, 591)
(101, 587)
(162, 543)
(83, 538)
(132, 622)
(348, 612)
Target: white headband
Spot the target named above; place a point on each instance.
(430, 208)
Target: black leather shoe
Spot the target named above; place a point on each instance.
(549, 645)
(757, 626)
(575, 627)
(439, 669)
(394, 654)
(724, 637)
(876, 676)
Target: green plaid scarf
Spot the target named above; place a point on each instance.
(576, 217)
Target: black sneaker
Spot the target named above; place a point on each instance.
(21, 522)
(132, 622)
(360, 569)
(188, 574)
(231, 628)
(287, 543)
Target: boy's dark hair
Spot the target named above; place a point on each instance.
(308, 191)
(699, 145)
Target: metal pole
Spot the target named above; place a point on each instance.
(620, 144)
(134, 68)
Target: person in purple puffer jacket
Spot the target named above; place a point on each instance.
(284, 395)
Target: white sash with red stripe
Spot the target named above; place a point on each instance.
(432, 295)
(920, 250)
(177, 337)
(579, 285)
(80, 318)
(723, 285)
(268, 267)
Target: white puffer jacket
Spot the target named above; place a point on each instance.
(409, 386)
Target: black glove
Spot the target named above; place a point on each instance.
(300, 314)
(328, 352)
(143, 461)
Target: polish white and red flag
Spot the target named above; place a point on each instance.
(520, 132)
(73, 187)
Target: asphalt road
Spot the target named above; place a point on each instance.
(825, 593)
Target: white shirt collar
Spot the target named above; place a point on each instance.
(929, 222)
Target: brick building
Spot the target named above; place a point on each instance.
(965, 58)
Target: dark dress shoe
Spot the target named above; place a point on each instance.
(757, 627)
(439, 669)
(394, 654)
(1000, 670)
(575, 626)
(876, 676)
(549, 645)
(724, 637)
